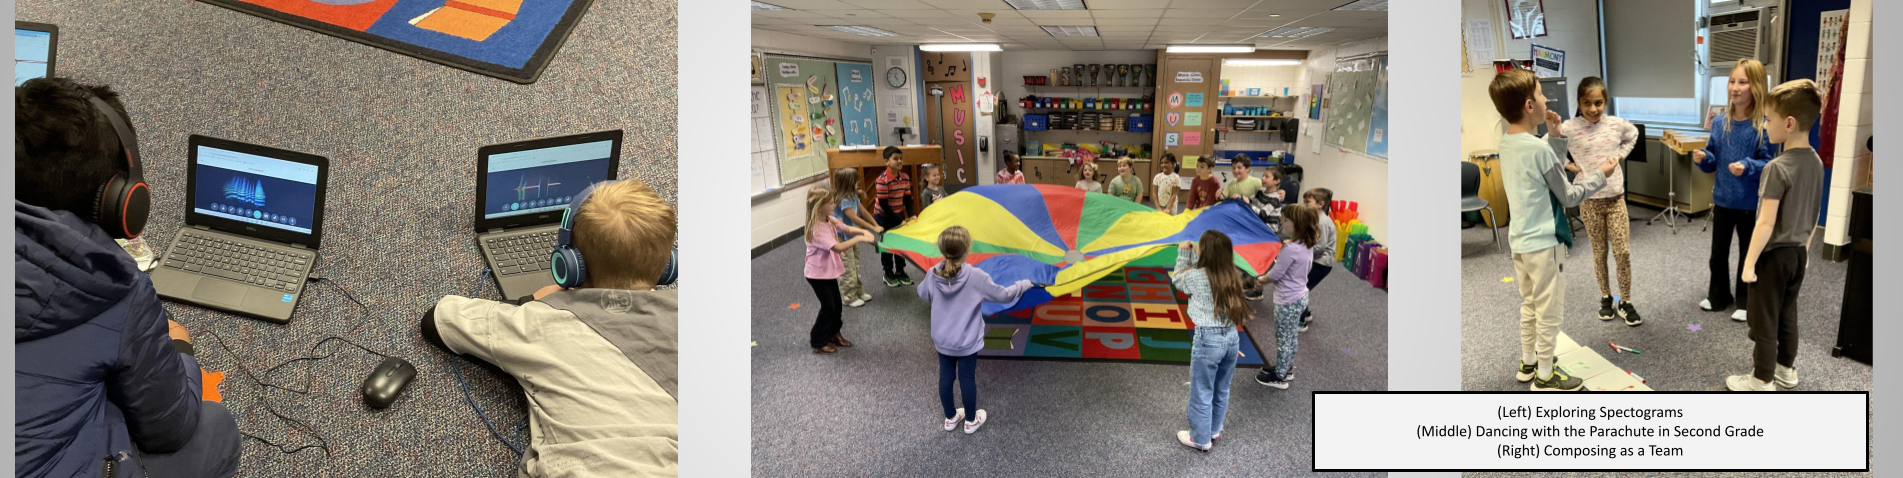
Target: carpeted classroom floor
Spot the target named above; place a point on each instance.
(401, 135)
(873, 409)
(1669, 276)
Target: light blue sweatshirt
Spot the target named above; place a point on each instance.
(957, 327)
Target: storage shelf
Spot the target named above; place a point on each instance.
(1255, 116)
(1089, 110)
(1266, 97)
(1082, 131)
(1250, 131)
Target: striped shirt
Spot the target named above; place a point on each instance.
(893, 188)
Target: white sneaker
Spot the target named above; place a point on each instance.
(952, 423)
(972, 426)
(865, 297)
(1738, 316)
(1748, 383)
(1182, 436)
(1785, 377)
(1705, 305)
(856, 303)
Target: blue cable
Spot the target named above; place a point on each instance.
(482, 283)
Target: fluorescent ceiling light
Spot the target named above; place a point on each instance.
(1297, 32)
(1066, 31)
(767, 6)
(1366, 6)
(1259, 62)
(1046, 4)
(960, 47)
(1211, 49)
(863, 31)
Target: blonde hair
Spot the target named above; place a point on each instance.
(845, 183)
(816, 197)
(1225, 280)
(953, 243)
(1799, 99)
(627, 233)
(1754, 73)
(1125, 163)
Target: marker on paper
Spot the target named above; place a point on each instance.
(1636, 376)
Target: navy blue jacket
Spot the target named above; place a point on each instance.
(95, 371)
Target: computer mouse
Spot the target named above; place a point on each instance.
(387, 382)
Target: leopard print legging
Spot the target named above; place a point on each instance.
(1607, 224)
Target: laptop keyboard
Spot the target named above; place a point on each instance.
(260, 266)
(521, 254)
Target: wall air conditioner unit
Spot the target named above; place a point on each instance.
(1735, 35)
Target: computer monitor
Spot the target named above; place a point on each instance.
(542, 180)
(34, 47)
(253, 189)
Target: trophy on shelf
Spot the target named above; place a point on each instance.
(1055, 80)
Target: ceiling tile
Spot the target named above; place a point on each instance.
(1182, 28)
(812, 4)
(786, 14)
(1054, 14)
(1146, 13)
(1231, 4)
(1151, 21)
(953, 4)
(1189, 21)
(1284, 14)
(851, 14)
(1200, 13)
(1100, 5)
(886, 4)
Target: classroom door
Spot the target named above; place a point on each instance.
(949, 115)
(1189, 90)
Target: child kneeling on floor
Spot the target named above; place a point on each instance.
(955, 291)
(1206, 271)
(612, 340)
(1789, 196)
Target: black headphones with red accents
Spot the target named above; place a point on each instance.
(125, 200)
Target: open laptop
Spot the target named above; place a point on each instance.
(253, 219)
(522, 188)
(35, 46)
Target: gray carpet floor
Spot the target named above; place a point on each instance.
(1669, 276)
(873, 409)
(401, 135)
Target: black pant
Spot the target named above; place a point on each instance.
(966, 368)
(1772, 311)
(1725, 222)
(1315, 275)
(828, 323)
(892, 264)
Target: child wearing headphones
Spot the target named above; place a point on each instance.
(603, 335)
(89, 326)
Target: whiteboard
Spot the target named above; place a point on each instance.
(765, 161)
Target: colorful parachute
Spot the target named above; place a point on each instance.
(1062, 238)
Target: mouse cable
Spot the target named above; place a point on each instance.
(482, 282)
(323, 444)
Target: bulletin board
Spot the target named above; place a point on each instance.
(1354, 91)
(859, 116)
(804, 94)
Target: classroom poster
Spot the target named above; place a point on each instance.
(1195, 100)
(1171, 140)
(796, 135)
(1193, 119)
(858, 115)
(1315, 102)
(1830, 34)
(765, 173)
(1548, 62)
(1192, 138)
(1526, 18)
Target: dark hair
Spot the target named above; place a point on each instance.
(1510, 91)
(1276, 171)
(1322, 196)
(1292, 170)
(1170, 157)
(1217, 260)
(889, 152)
(1205, 161)
(66, 149)
(1240, 160)
(1011, 157)
(1303, 220)
(1589, 84)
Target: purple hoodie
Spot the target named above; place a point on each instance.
(957, 328)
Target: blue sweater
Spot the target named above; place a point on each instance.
(1736, 142)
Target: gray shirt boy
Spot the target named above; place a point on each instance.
(1796, 180)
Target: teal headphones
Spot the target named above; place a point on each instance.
(566, 262)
